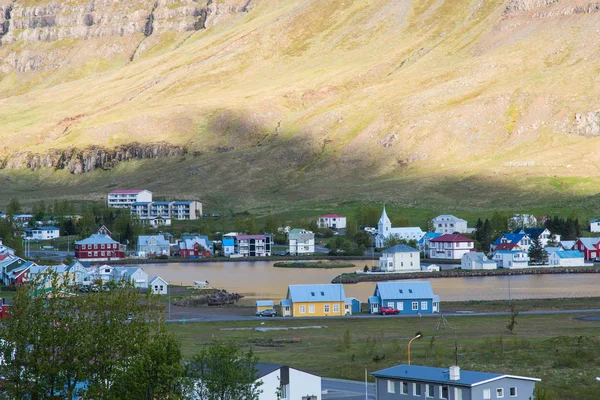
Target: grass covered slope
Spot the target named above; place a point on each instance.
(292, 98)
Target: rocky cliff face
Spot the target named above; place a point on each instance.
(49, 21)
(79, 161)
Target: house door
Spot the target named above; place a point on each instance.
(347, 309)
(286, 311)
(435, 307)
(375, 308)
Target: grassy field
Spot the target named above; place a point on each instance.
(564, 352)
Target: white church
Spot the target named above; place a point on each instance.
(385, 230)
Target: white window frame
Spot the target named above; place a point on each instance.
(403, 387)
(415, 386)
(391, 387)
(390, 304)
(510, 389)
(400, 306)
(487, 394)
(429, 393)
(302, 309)
(442, 391)
(499, 393)
(458, 394)
(423, 305)
(336, 308)
(415, 305)
(311, 308)
(326, 308)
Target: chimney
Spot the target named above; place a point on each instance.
(454, 373)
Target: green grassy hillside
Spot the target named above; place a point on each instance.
(455, 104)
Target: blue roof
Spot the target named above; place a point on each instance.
(374, 299)
(97, 238)
(569, 254)
(429, 235)
(228, 241)
(140, 203)
(404, 290)
(595, 220)
(183, 202)
(161, 203)
(285, 303)
(510, 237)
(441, 375)
(48, 228)
(400, 248)
(313, 293)
(265, 303)
(532, 232)
(160, 240)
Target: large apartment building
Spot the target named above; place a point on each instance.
(125, 198)
(167, 209)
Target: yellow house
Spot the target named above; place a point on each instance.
(264, 304)
(324, 300)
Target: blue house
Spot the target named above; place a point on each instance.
(413, 382)
(521, 239)
(354, 304)
(410, 297)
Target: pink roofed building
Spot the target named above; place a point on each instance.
(332, 221)
(450, 247)
(125, 198)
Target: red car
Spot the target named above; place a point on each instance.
(389, 311)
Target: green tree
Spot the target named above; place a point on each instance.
(272, 224)
(13, 207)
(537, 252)
(225, 373)
(351, 229)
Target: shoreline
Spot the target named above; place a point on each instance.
(457, 273)
(227, 259)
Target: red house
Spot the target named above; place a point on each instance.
(194, 247)
(99, 247)
(590, 247)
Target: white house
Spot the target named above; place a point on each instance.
(566, 258)
(136, 276)
(158, 285)
(152, 245)
(400, 258)
(476, 260)
(332, 221)
(511, 259)
(567, 244)
(543, 235)
(385, 231)
(290, 383)
(595, 225)
(450, 247)
(521, 239)
(42, 233)
(446, 223)
(301, 242)
(125, 198)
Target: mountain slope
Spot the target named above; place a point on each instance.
(362, 95)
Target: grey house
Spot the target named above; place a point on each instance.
(409, 382)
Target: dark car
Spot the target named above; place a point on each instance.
(267, 312)
(389, 311)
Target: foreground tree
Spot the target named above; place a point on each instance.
(223, 372)
(60, 345)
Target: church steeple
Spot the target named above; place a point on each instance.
(384, 225)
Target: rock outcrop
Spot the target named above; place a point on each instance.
(587, 124)
(79, 161)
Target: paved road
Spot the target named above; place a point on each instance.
(346, 390)
(459, 314)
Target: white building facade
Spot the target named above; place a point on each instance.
(386, 231)
(301, 242)
(476, 260)
(400, 258)
(447, 223)
(450, 247)
(158, 285)
(566, 258)
(166, 210)
(43, 233)
(332, 221)
(289, 383)
(125, 198)
(511, 259)
(595, 225)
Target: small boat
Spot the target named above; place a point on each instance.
(200, 283)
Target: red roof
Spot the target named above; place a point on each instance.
(3, 256)
(126, 191)
(332, 216)
(451, 238)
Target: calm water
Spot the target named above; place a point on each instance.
(260, 279)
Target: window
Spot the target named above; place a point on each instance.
(390, 304)
(326, 308)
(513, 392)
(89, 253)
(101, 246)
(423, 305)
(391, 387)
(417, 389)
(487, 394)
(402, 263)
(415, 305)
(95, 254)
(499, 393)
(443, 392)
(284, 391)
(429, 391)
(302, 309)
(403, 387)
(161, 288)
(400, 306)
(311, 309)
(458, 395)
(336, 308)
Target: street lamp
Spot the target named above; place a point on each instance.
(418, 335)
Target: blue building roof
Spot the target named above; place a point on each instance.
(285, 303)
(48, 228)
(312, 293)
(264, 303)
(595, 220)
(404, 290)
(160, 240)
(441, 375)
(510, 238)
(374, 299)
(97, 238)
(569, 254)
(429, 235)
(400, 248)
